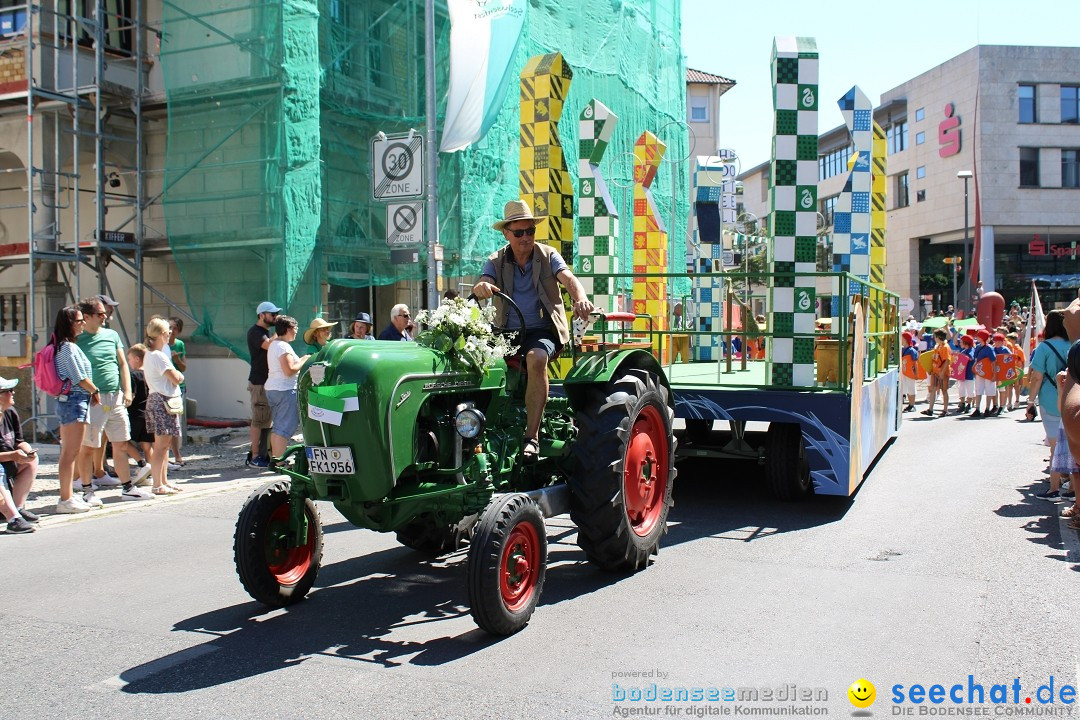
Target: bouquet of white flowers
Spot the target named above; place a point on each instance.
(461, 330)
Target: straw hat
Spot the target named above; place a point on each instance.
(516, 210)
(316, 324)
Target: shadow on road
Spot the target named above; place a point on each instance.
(385, 607)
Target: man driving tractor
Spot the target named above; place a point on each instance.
(530, 273)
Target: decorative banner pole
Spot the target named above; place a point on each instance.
(543, 178)
(708, 255)
(598, 217)
(879, 184)
(650, 240)
(790, 360)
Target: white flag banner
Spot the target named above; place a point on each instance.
(484, 38)
(1035, 324)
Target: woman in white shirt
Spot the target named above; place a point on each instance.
(164, 380)
(280, 385)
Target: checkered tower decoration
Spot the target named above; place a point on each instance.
(794, 210)
(708, 255)
(598, 217)
(851, 219)
(650, 237)
(879, 184)
(543, 179)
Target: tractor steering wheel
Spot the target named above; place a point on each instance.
(513, 306)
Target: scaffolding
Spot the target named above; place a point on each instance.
(80, 91)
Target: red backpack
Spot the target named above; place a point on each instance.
(45, 375)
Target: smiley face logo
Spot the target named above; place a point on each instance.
(862, 693)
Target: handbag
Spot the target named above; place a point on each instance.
(175, 405)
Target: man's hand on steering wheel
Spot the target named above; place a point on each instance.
(483, 290)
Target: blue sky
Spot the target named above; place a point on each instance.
(885, 45)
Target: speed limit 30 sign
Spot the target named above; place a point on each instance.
(397, 166)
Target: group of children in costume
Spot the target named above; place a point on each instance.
(984, 365)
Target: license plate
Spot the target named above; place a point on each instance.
(330, 460)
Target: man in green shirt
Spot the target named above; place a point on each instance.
(113, 379)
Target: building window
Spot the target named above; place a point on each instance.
(117, 23)
(1070, 168)
(834, 163)
(828, 209)
(920, 195)
(902, 197)
(897, 137)
(1027, 99)
(920, 138)
(1029, 167)
(1070, 108)
(699, 109)
(920, 172)
(920, 114)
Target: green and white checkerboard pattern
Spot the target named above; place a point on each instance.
(598, 218)
(794, 181)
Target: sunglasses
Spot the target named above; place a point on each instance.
(101, 314)
(526, 231)
(9, 391)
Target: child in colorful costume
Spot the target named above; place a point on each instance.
(910, 370)
(1004, 369)
(965, 387)
(985, 382)
(939, 373)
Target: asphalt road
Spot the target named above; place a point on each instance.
(943, 565)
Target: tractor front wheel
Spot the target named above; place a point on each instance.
(271, 567)
(621, 486)
(507, 563)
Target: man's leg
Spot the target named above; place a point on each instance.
(99, 461)
(536, 393)
(23, 481)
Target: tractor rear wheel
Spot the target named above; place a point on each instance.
(787, 470)
(270, 569)
(621, 485)
(507, 563)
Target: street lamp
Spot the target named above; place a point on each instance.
(966, 175)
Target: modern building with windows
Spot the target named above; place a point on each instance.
(997, 125)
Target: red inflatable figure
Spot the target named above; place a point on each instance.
(990, 310)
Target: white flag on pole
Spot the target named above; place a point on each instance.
(1035, 323)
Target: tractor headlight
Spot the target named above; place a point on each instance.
(469, 422)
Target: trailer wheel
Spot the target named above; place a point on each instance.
(424, 535)
(270, 570)
(622, 481)
(507, 563)
(787, 471)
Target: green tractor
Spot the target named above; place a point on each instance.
(415, 446)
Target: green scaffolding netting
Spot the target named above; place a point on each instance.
(271, 111)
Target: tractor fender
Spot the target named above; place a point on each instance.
(598, 368)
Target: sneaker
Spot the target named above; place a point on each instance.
(1068, 496)
(91, 499)
(17, 525)
(174, 466)
(1066, 487)
(259, 462)
(1050, 495)
(142, 477)
(107, 481)
(77, 487)
(976, 414)
(137, 493)
(28, 516)
(72, 505)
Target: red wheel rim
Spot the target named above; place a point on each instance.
(645, 473)
(519, 566)
(286, 564)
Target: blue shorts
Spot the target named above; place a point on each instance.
(284, 412)
(540, 339)
(73, 408)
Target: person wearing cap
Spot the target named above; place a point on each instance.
(909, 369)
(530, 273)
(258, 341)
(360, 329)
(1003, 362)
(966, 387)
(317, 334)
(109, 304)
(400, 327)
(985, 384)
(19, 462)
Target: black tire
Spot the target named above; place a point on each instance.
(426, 536)
(507, 564)
(272, 573)
(614, 533)
(787, 470)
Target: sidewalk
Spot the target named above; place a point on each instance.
(213, 463)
